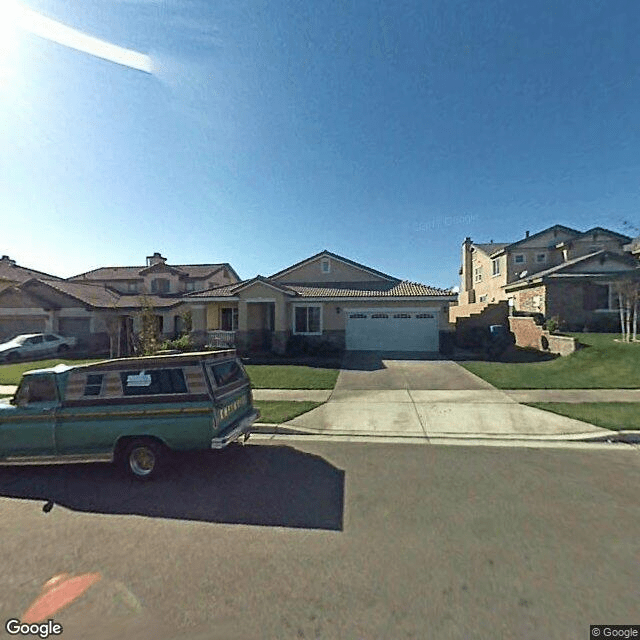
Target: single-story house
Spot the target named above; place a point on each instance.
(327, 301)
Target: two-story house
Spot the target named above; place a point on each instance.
(558, 272)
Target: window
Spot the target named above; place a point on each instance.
(541, 257)
(50, 338)
(519, 258)
(307, 320)
(132, 287)
(595, 296)
(424, 315)
(401, 315)
(229, 319)
(357, 315)
(191, 286)
(325, 266)
(227, 372)
(157, 381)
(94, 385)
(379, 315)
(477, 277)
(483, 298)
(34, 340)
(495, 265)
(160, 285)
(36, 389)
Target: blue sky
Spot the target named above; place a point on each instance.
(386, 132)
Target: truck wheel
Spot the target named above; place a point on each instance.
(142, 458)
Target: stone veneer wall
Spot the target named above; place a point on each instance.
(529, 334)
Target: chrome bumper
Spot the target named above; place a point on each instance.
(243, 428)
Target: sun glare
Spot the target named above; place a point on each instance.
(9, 39)
(14, 18)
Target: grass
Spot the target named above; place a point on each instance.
(285, 376)
(601, 364)
(12, 373)
(609, 415)
(277, 411)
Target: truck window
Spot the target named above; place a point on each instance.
(154, 382)
(227, 372)
(36, 389)
(94, 384)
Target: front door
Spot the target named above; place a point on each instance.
(27, 428)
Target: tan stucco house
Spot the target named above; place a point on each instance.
(109, 299)
(329, 301)
(558, 272)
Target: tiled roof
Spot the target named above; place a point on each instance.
(399, 288)
(96, 295)
(131, 273)
(402, 288)
(16, 273)
(101, 297)
(491, 247)
(569, 263)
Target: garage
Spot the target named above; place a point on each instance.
(392, 329)
(74, 327)
(15, 325)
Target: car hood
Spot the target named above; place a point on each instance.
(9, 345)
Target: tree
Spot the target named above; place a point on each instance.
(628, 292)
(148, 343)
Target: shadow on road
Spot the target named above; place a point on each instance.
(373, 360)
(257, 485)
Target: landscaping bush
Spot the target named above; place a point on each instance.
(183, 343)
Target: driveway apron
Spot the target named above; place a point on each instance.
(423, 395)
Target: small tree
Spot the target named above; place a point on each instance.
(148, 343)
(628, 292)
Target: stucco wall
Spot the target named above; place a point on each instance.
(338, 272)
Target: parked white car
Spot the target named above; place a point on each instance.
(32, 346)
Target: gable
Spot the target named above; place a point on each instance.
(602, 264)
(340, 270)
(18, 298)
(544, 240)
(259, 289)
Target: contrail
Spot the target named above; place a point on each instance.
(55, 31)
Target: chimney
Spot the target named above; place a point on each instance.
(526, 234)
(156, 258)
(7, 260)
(467, 269)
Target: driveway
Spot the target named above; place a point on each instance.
(393, 370)
(421, 395)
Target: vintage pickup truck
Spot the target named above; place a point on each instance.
(131, 411)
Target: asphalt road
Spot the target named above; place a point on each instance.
(334, 540)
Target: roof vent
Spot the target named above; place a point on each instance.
(526, 234)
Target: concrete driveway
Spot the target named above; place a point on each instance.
(389, 394)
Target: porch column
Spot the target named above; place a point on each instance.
(199, 324)
(242, 334)
(280, 333)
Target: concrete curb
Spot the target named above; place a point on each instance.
(624, 437)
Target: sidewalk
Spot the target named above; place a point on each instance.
(437, 415)
(518, 395)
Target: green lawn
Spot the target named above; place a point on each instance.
(12, 373)
(278, 411)
(284, 376)
(609, 415)
(602, 364)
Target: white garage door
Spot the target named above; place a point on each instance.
(392, 329)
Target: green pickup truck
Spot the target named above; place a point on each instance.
(130, 411)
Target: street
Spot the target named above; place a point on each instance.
(334, 540)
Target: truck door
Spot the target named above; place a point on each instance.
(27, 430)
